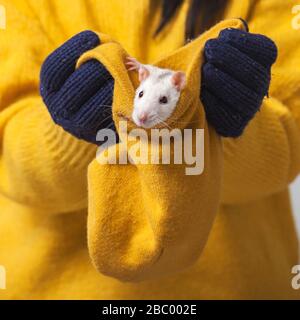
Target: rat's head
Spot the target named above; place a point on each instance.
(157, 95)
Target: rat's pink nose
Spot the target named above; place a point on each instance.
(143, 117)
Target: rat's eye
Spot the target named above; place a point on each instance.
(163, 100)
(141, 94)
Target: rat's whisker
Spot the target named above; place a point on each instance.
(111, 126)
(106, 111)
(104, 105)
(163, 122)
(181, 122)
(104, 120)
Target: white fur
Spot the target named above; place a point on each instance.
(156, 85)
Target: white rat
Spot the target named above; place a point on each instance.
(157, 95)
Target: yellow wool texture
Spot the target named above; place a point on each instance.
(158, 218)
(234, 228)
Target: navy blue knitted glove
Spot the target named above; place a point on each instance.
(78, 100)
(235, 79)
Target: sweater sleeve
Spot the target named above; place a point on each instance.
(150, 219)
(267, 157)
(40, 164)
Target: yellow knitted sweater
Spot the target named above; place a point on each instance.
(239, 242)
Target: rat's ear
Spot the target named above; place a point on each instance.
(133, 64)
(179, 80)
(144, 73)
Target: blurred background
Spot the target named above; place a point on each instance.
(295, 189)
